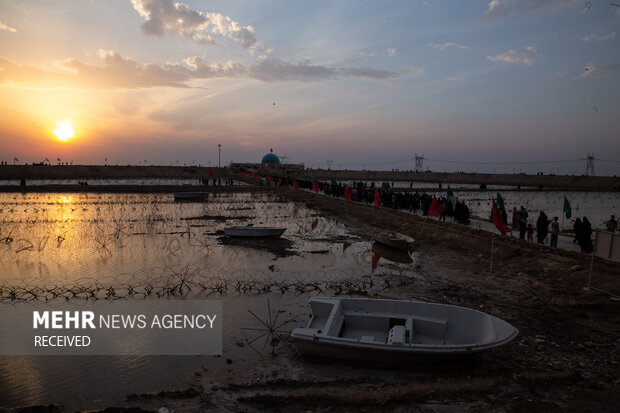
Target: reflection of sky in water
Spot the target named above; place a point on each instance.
(120, 240)
(77, 238)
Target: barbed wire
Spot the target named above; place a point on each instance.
(187, 281)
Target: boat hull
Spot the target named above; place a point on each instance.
(391, 254)
(395, 241)
(374, 355)
(254, 232)
(387, 331)
(190, 196)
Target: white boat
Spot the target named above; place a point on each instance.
(254, 232)
(397, 331)
(190, 196)
(395, 240)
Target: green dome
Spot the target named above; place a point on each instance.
(270, 158)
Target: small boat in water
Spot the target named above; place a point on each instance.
(190, 196)
(254, 232)
(395, 240)
(397, 331)
(391, 254)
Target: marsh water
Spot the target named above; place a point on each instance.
(146, 246)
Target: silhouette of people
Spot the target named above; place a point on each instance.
(522, 222)
(530, 232)
(576, 230)
(542, 227)
(555, 232)
(612, 224)
(584, 236)
(515, 218)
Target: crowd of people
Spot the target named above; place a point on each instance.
(366, 192)
(450, 207)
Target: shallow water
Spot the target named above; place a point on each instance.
(146, 246)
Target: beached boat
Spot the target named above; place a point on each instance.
(190, 196)
(254, 232)
(391, 254)
(397, 331)
(394, 240)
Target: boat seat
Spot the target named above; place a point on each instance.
(367, 339)
(396, 336)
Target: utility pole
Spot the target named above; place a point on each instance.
(219, 155)
(419, 163)
(590, 164)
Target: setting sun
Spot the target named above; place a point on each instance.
(64, 130)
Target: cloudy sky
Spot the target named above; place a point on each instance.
(505, 85)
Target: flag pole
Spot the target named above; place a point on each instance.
(492, 240)
(587, 288)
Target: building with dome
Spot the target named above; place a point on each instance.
(269, 162)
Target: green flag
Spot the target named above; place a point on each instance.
(450, 193)
(567, 210)
(500, 202)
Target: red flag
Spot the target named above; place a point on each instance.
(295, 184)
(435, 208)
(497, 219)
(315, 187)
(377, 198)
(279, 181)
(211, 172)
(347, 193)
(269, 178)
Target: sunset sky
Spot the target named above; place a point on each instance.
(365, 84)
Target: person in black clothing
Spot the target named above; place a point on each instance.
(576, 230)
(522, 222)
(542, 227)
(585, 236)
(461, 213)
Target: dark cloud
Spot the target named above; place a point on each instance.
(118, 72)
(274, 70)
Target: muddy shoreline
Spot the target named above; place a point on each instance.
(566, 357)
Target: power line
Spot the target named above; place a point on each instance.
(506, 163)
(482, 163)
